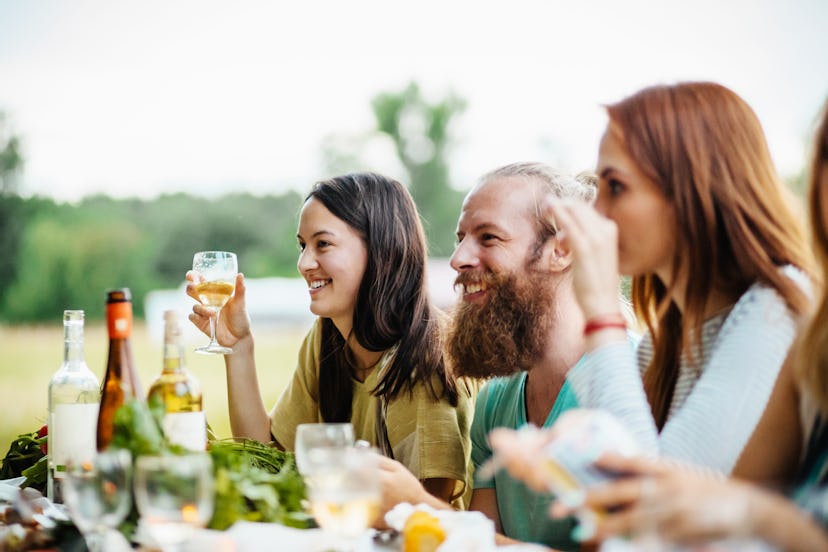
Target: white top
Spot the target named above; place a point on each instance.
(719, 399)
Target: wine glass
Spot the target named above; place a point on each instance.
(324, 435)
(174, 495)
(344, 491)
(215, 283)
(97, 495)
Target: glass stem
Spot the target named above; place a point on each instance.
(213, 323)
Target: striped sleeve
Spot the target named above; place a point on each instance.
(725, 405)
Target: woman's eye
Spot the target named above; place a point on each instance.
(615, 187)
(322, 244)
(301, 246)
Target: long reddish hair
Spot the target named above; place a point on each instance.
(812, 365)
(704, 147)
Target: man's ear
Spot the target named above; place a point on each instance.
(558, 256)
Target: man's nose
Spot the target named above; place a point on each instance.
(464, 257)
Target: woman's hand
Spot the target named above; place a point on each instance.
(593, 241)
(398, 485)
(674, 503)
(234, 322)
(520, 452)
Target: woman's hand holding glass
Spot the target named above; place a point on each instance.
(97, 495)
(666, 502)
(234, 323)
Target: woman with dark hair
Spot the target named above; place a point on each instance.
(690, 205)
(374, 356)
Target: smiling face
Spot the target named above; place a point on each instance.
(646, 222)
(495, 234)
(332, 260)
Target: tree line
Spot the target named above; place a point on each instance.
(55, 256)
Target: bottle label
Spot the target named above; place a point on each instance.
(72, 428)
(119, 320)
(188, 429)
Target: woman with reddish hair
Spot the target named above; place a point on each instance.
(690, 206)
(673, 504)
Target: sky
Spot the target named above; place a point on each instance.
(144, 98)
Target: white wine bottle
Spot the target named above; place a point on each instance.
(184, 422)
(74, 393)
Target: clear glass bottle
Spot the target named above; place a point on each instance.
(184, 422)
(74, 393)
(121, 379)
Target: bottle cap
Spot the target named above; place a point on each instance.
(120, 295)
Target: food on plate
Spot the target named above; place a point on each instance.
(422, 532)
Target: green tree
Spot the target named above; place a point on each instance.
(421, 134)
(11, 206)
(11, 159)
(69, 265)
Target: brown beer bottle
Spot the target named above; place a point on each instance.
(121, 380)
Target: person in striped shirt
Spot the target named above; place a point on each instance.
(690, 206)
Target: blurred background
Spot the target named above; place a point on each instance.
(133, 135)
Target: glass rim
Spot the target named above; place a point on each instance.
(214, 254)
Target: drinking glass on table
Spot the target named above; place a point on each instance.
(97, 495)
(215, 273)
(322, 435)
(174, 495)
(344, 491)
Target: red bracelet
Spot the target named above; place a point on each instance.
(604, 321)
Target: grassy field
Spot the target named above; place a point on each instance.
(31, 355)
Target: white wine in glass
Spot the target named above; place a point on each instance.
(344, 491)
(215, 273)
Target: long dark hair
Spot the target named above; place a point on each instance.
(392, 306)
(704, 148)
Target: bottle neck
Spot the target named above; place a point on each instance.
(120, 367)
(73, 345)
(173, 358)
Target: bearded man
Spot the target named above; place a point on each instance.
(517, 321)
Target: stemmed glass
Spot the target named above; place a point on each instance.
(323, 435)
(174, 495)
(344, 491)
(97, 495)
(215, 273)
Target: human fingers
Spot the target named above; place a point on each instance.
(630, 465)
(241, 289)
(520, 452)
(387, 464)
(192, 277)
(613, 495)
(200, 317)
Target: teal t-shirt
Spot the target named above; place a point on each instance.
(524, 514)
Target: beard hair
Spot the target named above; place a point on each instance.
(508, 333)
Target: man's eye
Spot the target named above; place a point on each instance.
(488, 237)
